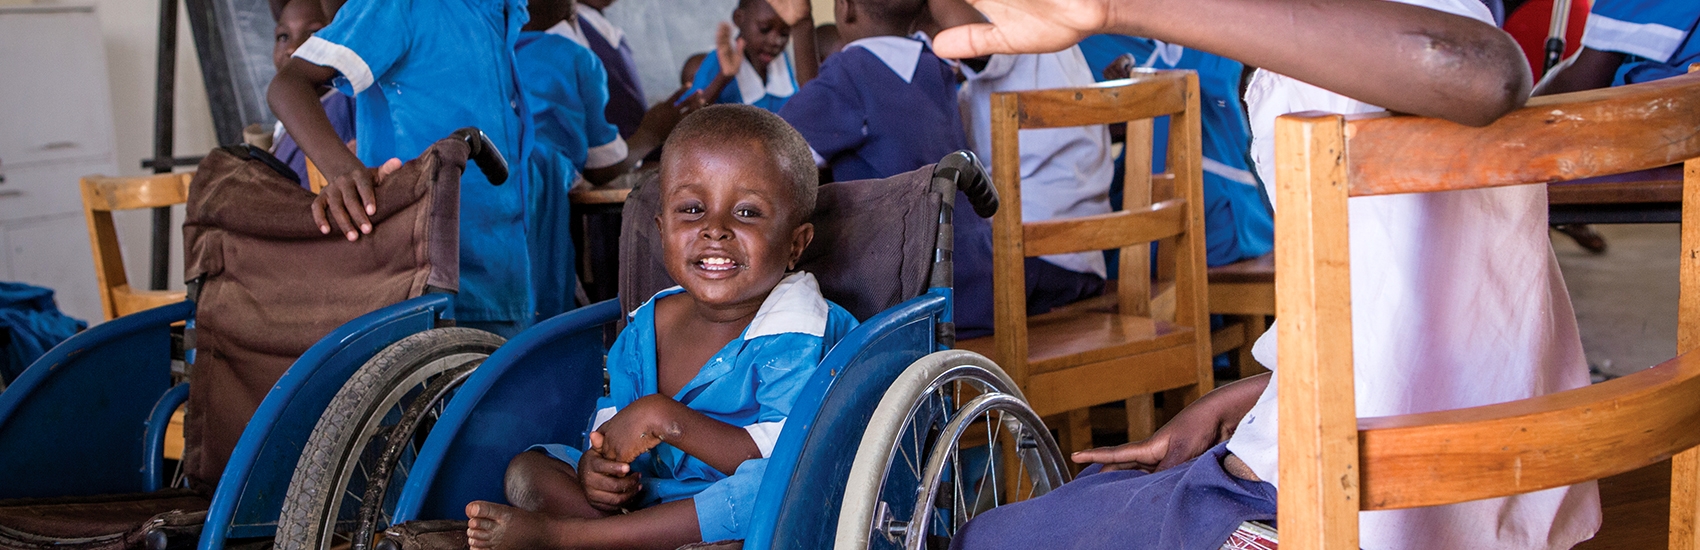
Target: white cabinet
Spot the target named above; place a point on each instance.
(55, 127)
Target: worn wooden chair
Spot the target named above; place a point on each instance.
(1333, 464)
(1243, 293)
(1119, 348)
(101, 197)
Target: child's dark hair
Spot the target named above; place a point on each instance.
(732, 122)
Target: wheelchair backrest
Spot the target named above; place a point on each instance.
(873, 248)
(267, 284)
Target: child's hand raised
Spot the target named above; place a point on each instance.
(608, 485)
(1024, 26)
(791, 11)
(728, 50)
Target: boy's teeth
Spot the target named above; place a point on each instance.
(718, 263)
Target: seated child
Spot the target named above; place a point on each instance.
(884, 105)
(454, 61)
(297, 20)
(753, 68)
(1442, 283)
(702, 379)
(567, 91)
(1237, 223)
(625, 87)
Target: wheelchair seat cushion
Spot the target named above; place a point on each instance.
(100, 522)
(271, 285)
(873, 246)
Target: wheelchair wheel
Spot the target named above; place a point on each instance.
(951, 438)
(366, 441)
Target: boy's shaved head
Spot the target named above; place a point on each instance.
(728, 123)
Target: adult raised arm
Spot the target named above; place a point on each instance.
(1401, 57)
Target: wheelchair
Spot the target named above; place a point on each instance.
(913, 438)
(266, 345)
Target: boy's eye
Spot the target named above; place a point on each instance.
(748, 213)
(690, 209)
(282, 37)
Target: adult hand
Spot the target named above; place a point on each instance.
(729, 50)
(348, 199)
(608, 485)
(791, 11)
(1024, 26)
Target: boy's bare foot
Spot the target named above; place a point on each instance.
(491, 525)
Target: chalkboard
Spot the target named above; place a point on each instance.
(234, 41)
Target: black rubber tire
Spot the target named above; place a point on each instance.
(354, 420)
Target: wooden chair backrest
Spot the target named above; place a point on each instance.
(101, 197)
(1178, 217)
(1333, 464)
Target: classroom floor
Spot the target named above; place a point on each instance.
(1625, 299)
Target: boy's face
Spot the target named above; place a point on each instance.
(298, 20)
(765, 34)
(728, 230)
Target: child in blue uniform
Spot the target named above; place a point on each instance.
(753, 68)
(297, 20)
(1237, 223)
(702, 379)
(421, 70)
(589, 28)
(884, 105)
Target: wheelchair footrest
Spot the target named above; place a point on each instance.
(163, 519)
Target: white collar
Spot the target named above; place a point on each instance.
(900, 53)
(795, 305)
(779, 80)
(566, 29)
(601, 24)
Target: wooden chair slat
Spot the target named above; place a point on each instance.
(1629, 128)
(109, 194)
(1156, 94)
(1531, 444)
(101, 197)
(1118, 229)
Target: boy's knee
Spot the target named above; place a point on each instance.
(526, 474)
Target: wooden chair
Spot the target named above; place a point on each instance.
(1243, 293)
(1333, 464)
(1120, 348)
(104, 195)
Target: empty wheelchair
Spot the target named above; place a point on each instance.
(279, 317)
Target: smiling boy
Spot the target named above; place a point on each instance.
(752, 67)
(704, 376)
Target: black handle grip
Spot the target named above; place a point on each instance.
(970, 176)
(484, 153)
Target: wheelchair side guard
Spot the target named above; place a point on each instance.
(484, 154)
(250, 493)
(82, 409)
(796, 506)
(540, 387)
(153, 442)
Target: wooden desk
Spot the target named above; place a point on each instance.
(596, 234)
(1647, 196)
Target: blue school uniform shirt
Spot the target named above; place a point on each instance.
(1658, 35)
(626, 103)
(1238, 225)
(747, 87)
(419, 71)
(339, 109)
(752, 383)
(567, 93)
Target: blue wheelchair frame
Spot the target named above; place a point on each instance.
(93, 412)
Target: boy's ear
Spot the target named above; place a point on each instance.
(800, 239)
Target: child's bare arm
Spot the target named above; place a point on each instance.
(1398, 56)
(348, 199)
(656, 419)
(1198, 427)
(1588, 69)
(800, 16)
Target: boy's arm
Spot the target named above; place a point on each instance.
(1200, 426)
(1401, 57)
(1587, 70)
(655, 419)
(348, 199)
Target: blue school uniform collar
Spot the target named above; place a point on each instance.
(794, 306)
(900, 53)
(780, 82)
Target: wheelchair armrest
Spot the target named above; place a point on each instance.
(153, 442)
(963, 170)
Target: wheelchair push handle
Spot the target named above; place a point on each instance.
(485, 154)
(964, 168)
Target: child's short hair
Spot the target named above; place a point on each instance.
(893, 11)
(727, 122)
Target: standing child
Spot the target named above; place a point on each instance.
(705, 374)
(296, 21)
(753, 67)
(420, 72)
(591, 29)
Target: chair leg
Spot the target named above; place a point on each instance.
(1075, 430)
(1255, 326)
(1685, 500)
(1141, 417)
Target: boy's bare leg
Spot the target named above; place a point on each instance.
(663, 527)
(537, 482)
